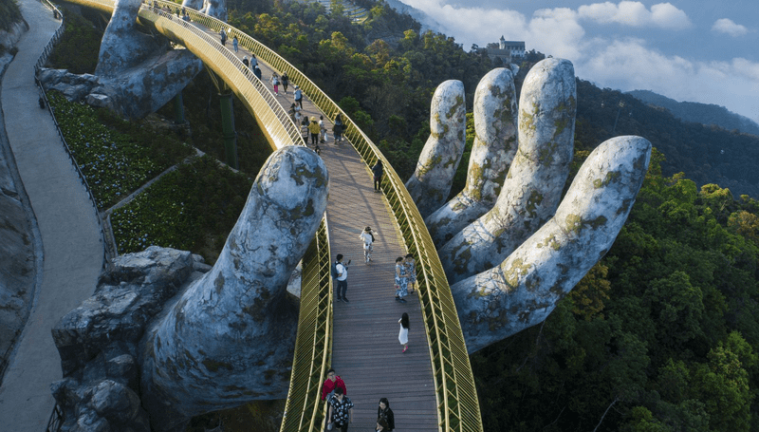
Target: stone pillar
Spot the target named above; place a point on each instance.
(178, 108)
(228, 125)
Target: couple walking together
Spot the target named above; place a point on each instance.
(340, 411)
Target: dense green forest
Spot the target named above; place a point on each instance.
(708, 114)
(662, 334)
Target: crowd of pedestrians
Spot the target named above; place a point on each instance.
(340, 406)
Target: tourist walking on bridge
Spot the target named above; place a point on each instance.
(257, 71)
(367, 238)
(313, 128)
(403, 335)
(340, 411)
(298, 96)
(285, 82)
(401, 287)
(332, 382)
(235, 43)
(410, 273)
(341, 271)
(377, 170)
(386, 414)
(275, 84)
(223, 36)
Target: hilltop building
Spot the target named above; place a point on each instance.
(505, 50)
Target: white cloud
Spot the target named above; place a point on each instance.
(622, 64)
(726, 25)
(630, 65)
(635, 14)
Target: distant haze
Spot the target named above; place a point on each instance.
(698, 50)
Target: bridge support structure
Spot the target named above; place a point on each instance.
(228, 128)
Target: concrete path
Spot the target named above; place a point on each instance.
(71, 237)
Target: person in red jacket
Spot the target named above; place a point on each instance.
(331, 383)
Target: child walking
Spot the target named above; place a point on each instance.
(403, 335)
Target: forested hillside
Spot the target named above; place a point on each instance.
(662, 334)
(708, 114)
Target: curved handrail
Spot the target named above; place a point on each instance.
(313, 345)
(458, 406)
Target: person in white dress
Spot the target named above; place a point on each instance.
(403, 335)
(367, 238)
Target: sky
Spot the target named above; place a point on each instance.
(698, 50)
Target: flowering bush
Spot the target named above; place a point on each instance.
(115, 160)
(192, 208)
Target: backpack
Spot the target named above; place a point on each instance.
(333, 270)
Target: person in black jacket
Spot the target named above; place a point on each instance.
(384, 412)
(377, 171)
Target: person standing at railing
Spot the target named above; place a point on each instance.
(337, 129)
(256, 70)
(410, 272)
(223, 36)
(235, 43)
(286, 82)
(253, 61)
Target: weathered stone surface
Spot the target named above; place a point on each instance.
(98, 341)
(495, 143)
(524, 289)
(18, 245)
(430, 184)
(9, 38)
(533, 186)
(214, 8)
(132, 291)
(232, 332)
(99, 100)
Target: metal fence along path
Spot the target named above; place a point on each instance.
(431, 386)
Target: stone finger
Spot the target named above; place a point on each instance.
(430, 184)
(534, 183)
(237, 319)
(524, 289)
(495, 143)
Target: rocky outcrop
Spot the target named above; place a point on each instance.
(232, 333)
(98, 341)
(214, 8)
(9, 38)
(136, 73)
(19, 245)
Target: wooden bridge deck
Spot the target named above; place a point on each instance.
(366, 352)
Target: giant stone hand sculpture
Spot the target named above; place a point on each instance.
(214, 8)
(516, 248)
(509, 266)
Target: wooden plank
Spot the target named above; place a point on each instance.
(366, 351)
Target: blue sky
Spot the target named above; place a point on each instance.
(700, 50)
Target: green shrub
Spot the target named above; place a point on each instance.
(9, 14)
(78, 49)
(116, 158)
(192, 208)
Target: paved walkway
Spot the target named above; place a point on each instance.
(365, 349)
(71, 238)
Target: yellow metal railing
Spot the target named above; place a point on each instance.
(458, 407)
(313, 345)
